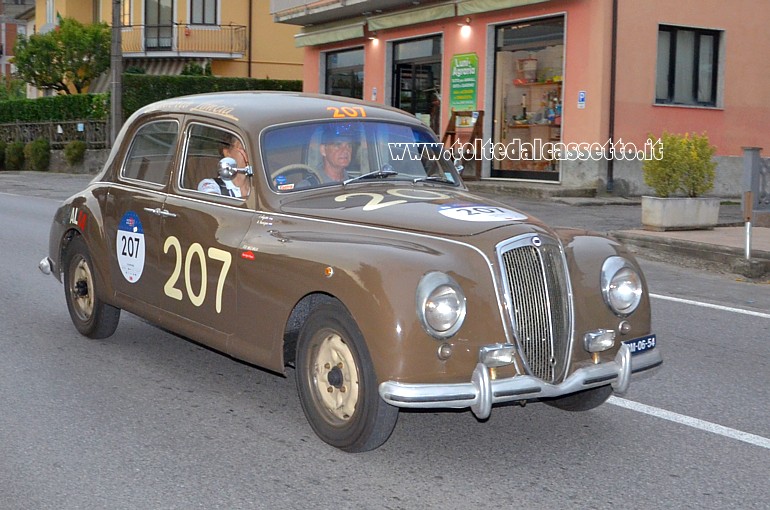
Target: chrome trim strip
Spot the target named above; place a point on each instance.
(480, 393)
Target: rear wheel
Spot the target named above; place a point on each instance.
(583, 400)
(91, 316)
(337, 385)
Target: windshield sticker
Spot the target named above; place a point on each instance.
(129, 246)
(479, 212)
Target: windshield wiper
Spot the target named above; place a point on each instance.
(434, 178)
(386, 171)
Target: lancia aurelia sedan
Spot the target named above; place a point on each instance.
(337, 238)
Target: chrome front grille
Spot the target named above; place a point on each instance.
(539, 303)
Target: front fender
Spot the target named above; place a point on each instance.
(586, 252)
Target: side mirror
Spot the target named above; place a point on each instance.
(227, 169)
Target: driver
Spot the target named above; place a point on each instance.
(240, 185)
(337, 151)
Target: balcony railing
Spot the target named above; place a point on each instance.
(178, 39)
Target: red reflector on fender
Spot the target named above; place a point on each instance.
(248, 255)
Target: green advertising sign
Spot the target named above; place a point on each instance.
(463, 82)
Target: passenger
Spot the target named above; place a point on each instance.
(240, 185)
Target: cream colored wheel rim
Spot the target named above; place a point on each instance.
(336, 377)
(81, 289)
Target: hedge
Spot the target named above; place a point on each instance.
(142, 89)
(138, 90)
(56, 108)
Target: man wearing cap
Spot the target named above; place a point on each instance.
(337, 151)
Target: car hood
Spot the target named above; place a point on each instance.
(435, 210)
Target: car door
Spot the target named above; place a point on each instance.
(134, 210)
(202, 233)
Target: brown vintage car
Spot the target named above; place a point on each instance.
(337, 237)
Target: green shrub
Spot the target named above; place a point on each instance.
(37, 153)
(75, 152)
(2, 154)
(14, 156)
(56, 108)
(142, 89)
(686, 164)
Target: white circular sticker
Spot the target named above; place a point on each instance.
(130, 247)
(479, 212)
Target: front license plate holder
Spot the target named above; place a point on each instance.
(640, 345)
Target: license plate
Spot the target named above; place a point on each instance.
(641, 344)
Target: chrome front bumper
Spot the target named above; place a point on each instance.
(482, 392)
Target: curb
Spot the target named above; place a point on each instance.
(698, 255)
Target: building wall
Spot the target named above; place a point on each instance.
(588, 37)
(741, 119)
(272, 51)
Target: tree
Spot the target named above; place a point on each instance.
(67, 58)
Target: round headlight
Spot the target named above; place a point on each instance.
(621, 286)
(440, 305)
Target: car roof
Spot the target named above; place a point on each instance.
(255, 110)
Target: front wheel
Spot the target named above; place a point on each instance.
(337, 385)
(583, 400)
(91, 316)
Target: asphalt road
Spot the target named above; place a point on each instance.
(146, 419)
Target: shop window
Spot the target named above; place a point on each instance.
(203, 12)
(345, 73)
(688, 66)
(529, 67)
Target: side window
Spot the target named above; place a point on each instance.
(152, 152)
(206, 145)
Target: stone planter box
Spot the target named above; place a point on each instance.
(679, 213)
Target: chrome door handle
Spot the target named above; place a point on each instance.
(160, 212)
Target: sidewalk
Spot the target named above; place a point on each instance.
(721, 249)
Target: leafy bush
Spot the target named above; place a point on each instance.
(686, 165)
(14, 156)
(56, 108)
(38, 154)
(142, 89)
(75, 152)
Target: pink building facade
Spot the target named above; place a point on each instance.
(577, 73)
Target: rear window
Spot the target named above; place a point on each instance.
(151, 155)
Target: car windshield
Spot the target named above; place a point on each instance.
(304, 156)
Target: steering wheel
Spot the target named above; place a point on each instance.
(307, 171)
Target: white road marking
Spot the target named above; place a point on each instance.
(709, 305)
(689, 421)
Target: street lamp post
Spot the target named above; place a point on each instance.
(116, 70)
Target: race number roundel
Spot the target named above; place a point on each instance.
(479, 212)
(130, 247)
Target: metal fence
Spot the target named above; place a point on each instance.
(96, 133)
(756, 178)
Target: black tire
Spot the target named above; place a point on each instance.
(337, 385)
(91, 316)
(583, 400)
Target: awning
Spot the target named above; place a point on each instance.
(411, 17)
(328, 33)
(475, 6)
(156, 66)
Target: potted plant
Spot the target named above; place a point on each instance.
(685, 167)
